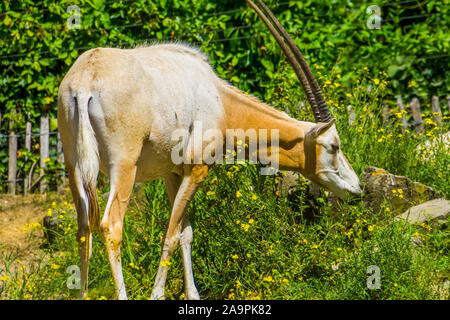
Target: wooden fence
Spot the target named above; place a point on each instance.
(415, 110)
(45, 133)
(30, 179)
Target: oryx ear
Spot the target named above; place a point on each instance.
(321, 128)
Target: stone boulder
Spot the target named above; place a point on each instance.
(430, 211)
(400, 192)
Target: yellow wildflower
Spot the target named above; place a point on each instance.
(4, 278)
(166, 263)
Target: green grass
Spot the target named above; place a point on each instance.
(252, 243)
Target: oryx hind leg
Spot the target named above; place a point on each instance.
(84, 233)
(173, 182)
(122, 179)
(179, 229)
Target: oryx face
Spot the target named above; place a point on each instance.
(326, 164)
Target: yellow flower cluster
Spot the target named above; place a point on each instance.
(165, 263)
(31, 226)
(398, 193)
(134, 266)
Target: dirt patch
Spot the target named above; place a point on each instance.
(21, 233)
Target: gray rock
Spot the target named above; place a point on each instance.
(52, 227)
(430, 211)
(399, 191)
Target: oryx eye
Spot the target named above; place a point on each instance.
(334, 147)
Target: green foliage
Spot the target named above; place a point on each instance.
(249, 242)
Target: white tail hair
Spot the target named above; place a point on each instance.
(87, 158)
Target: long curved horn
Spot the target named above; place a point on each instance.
(317, 92)
(292, 61)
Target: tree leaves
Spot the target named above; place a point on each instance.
(37, 48)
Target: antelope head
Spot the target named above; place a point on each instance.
(324, 163)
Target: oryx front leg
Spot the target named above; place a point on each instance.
(179, 230)
(186, 237)
(122, 179)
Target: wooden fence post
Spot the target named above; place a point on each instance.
(352, 116)
(386, 117)
(286, 109)
(27, 176)
(59, 150)
(437, 114)
(415, 108)
(12, 161)
(401, 107)
(44, 146)
(448, 104)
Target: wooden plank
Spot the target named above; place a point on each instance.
(401, 108)
(352, 116)
(59, 150)
(27, 176)
(286, 109)
(386, 117)
(415, 108)
(448, 104)
(44, 143)
(12, 161)
(437, 114)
